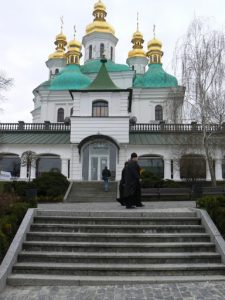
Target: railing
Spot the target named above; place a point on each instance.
(22, 126)
(141, 127)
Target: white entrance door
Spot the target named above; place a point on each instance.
(97, 163)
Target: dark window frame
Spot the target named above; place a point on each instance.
(100, 108)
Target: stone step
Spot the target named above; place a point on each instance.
(42, 227)
(119, 258)
(91, 199)
(118, 220)
(124, 213)
(121, 269)
(118, 247)
(91, 192)
(57, 280)
(118, 237)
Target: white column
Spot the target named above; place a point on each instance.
(176, 169)
(218, 169)
(208, 177)
(23, 172)
(167, 169)
(33, 170)
(64, 166)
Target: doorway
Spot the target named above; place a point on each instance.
(97, 163)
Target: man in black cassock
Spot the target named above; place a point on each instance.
(132, 187)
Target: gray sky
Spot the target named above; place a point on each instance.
(28, 29)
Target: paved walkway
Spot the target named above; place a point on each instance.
(170, 291)
(178, 291)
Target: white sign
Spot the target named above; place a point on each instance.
(5, 175)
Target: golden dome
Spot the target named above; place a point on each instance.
(99, 23)
(99, 6)
(60, 42)
(74, 44)
(155, 51)
(138, 35)
(137, 42)
(73, 53)
(136, 52)
(154, 43)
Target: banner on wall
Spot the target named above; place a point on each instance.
(5, 175)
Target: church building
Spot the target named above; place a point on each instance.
(91, 115)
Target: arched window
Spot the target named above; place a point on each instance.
(100, 108)
(56, 71)
(192, 167)
(111, 53)
(158, 113)
(155, 59)
(48, 163)
(153, 164)
(102, 49)
(90, 52)
(10, 163)
(60, 115)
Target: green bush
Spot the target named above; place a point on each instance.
(215, 206)
(51, 184)
(4, 244)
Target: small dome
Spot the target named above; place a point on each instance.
(136, 52)
(99, 6)
(60, 42)
(137, 35)
(155, 77)
(60, 36)
(70, 78)
(74, 44)
(154, 43)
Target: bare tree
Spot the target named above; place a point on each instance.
(201, 57)
(28, 159)
(5, 83)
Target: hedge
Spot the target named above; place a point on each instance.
(215, 206)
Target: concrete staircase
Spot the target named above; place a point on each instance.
(105, 248)
(89, 191)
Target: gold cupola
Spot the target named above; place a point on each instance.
(73, 53)
(99, 23)
(155, 52)
(60, 42)
(137, 42)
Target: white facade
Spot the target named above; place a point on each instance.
(97, 140)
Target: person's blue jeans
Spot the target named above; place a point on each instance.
(106, 184)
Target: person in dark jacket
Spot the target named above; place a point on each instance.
(106, 174)
(121, 186)
(132, 187)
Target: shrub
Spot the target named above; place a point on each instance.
(215, 206)
(4, 244)
(51, 184)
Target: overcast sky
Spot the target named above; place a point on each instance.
(28, 29)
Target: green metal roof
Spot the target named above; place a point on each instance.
(93, 66)
(70, 78)
(35, 137)
(102, 80)
(155, 77)
(153, 138)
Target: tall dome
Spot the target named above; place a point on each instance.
(60, 42)
(99, 23)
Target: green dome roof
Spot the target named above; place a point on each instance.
(155, 77)
(70, 78)
(93, 66)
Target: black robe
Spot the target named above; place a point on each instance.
(132, 187)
